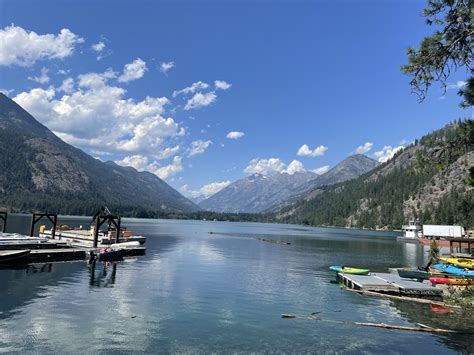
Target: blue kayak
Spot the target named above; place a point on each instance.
(455, 270)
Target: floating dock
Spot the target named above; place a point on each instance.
(390, 284)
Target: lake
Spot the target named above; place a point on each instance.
(196, 292)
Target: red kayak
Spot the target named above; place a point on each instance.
(447, 281)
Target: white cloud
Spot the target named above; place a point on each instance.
(43, 78)
(222, 85)
(169, 170)
(264, 166)
(294, 167)
(198, 147)
(200, 100)
(206, 190)
(67, 86)
(6, 92)
(235, 135)
(364, 148)
(458, 85)
(199, 85)
(130, 127)
(139, 162)
(23, 48)
(167, 152)
(101, 50)
(133, 71)
(387, 153)
(165, 67)
(96, 80)
(321, 170)
(305, 151)
(98, 47)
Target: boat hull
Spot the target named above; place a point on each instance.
(461, 262)
(349, 270)
(454, 270)
(449, 281)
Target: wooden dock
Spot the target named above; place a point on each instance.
(389, 283)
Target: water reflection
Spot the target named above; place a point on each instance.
(102, 274)
(195, 292)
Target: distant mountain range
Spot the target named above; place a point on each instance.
(432, 179)
(40, 171)
(261, 193)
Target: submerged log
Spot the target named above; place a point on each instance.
(418, 328)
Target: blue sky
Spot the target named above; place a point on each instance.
(289, 73)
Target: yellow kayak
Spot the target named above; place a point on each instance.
(463, 262)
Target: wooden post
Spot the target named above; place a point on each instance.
(117, 236)
(33, 222)
(96, 231)
(3, 217)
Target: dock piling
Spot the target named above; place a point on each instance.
(52, 217)
(3, 217)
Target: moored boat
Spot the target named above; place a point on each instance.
(454, 270)
(413, 273)
(462, 262)
(349, 270)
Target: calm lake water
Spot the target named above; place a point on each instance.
(195, 292)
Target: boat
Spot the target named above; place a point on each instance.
(108, 254)
(462, 262)
(125, 245)
(454, 270)
(413, 273)
(451, 281)
(87, 236)
(349, 270)
(13, 256)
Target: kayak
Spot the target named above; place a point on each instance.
(413, 273)
(448, 281)
(455, 270)
(462, 262)
(349, 270)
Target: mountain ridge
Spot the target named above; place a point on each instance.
(41, 171)
(432, 179)
(259, 193)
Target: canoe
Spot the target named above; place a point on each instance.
(454, 270)
(451, 281)
(13, 256)
(349, 270)
(462, 262)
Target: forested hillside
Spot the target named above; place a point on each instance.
(430, 179)
(40, 172)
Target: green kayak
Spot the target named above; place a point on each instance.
(349, 270)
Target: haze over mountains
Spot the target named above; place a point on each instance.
(40, 171)
(263, 193)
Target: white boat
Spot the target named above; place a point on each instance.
(87, 236)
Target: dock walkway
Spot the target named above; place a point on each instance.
(389, 283)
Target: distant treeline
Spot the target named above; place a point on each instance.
(76, 206)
